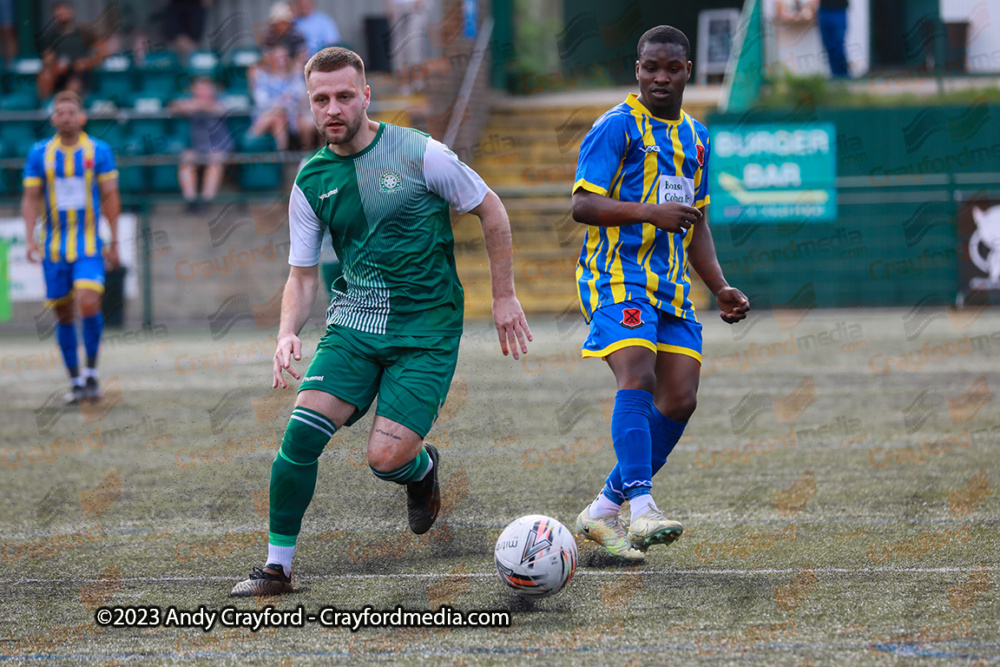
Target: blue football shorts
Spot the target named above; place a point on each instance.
(62, 276)
(639, 323)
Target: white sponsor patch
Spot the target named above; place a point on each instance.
(676, 188)
(313, 378)
(71, 193)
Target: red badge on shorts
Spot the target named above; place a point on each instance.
(631, 318)
(701, 155)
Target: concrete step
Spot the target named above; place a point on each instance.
(565, 117)
(542, 241)
(479, 306)
(556, 180)
(520, 191)
(512, 137)
(527, 149)
(694, 95)
(533, 232)
(538, 204)
(504, 130)
(542, 275)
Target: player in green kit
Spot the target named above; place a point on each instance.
(395, 320)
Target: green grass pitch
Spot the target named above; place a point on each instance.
(837, 496)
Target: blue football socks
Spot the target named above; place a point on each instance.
(66, 334)
(631, 438)
(92, 328)
(664, 434)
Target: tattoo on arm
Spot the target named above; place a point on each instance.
(391, 435)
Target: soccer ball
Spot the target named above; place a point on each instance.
(535, 556)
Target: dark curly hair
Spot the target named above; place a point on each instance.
(664, 34)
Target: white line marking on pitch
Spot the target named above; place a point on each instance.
(579, 573)
(388, 527)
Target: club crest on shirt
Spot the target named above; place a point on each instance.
(701, 155)
(390, 181)
(631, 318)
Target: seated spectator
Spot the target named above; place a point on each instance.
(794, 11)
(831, 18)
(407, 34)
(281, 32)
(185, 24)
(280, 102)
(319, 30)
(129, 32)
(8, 29)
(210, 141)
(69, 53)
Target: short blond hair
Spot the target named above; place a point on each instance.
(334, 58)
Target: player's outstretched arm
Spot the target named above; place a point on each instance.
(30, 205)
(296, 302)
(601, 211)
(701, 253)
(507, 313)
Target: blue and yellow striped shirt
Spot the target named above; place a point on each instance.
(69, 176)
(631, 155)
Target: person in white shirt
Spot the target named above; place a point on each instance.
(319, 29)
(407, 34)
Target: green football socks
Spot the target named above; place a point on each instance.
(413, 471)
(293, 473)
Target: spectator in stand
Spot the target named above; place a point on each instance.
(210, 141)
(795, 11)
(281, 32)
(831, 15)
(8, 28)
(69, 53)
(318, 28)
(408, 31)
(185, 24)
(279, 97)
(129, 30)
(831, 18)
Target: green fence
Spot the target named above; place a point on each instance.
(901, 174)
(4, 283)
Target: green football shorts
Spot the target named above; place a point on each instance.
(410, 375)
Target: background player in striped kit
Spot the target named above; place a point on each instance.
(74, 174)
(383, 193)
(642, 187)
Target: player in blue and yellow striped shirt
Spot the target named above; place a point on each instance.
(642, 189)
(73, 174)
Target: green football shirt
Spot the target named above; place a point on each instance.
(386, 209)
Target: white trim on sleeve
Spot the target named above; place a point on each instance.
(451, 179)
(305, 230)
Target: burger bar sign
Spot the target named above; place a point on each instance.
(773, 173)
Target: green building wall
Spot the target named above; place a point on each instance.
(901, 174)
